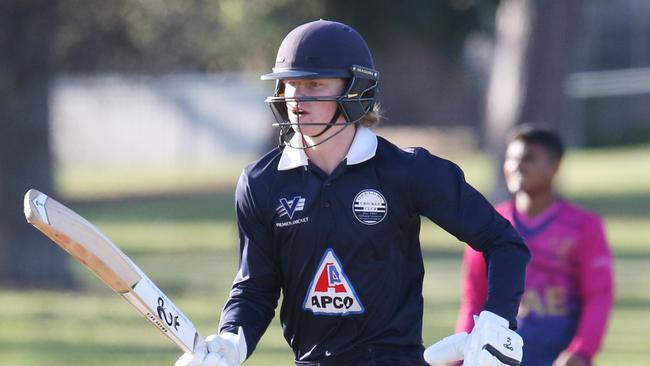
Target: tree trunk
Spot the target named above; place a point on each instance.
(27, 258)
(533, 54)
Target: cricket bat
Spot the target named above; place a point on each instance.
(90, 247)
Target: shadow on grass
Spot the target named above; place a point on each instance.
(623, 255)
(632, 204)
(442, 253)
(176, 207)
(51, 352)
(632, 304)
(219, 205)
(632, 255)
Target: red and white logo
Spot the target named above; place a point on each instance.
(330, 291)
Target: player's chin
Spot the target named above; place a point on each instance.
(514, 187)
(310, 130)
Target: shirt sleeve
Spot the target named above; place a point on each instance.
(474, 289)
(256, 288)
(596, 290)
(439, 191)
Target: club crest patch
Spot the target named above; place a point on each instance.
(369, 207)
(330, 291)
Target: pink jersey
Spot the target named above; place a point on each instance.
(569, 282)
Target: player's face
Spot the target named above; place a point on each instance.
(529, 168)
(303, 113)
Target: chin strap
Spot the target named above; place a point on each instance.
(331, 123)
(286, 131)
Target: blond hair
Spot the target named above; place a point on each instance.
(371, 118)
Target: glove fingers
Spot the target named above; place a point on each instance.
(485, 358)
(220, 360)
(213, 359)
(185, 360)
(214, 343)
(191, 359)
(447, 350)
(493, 343)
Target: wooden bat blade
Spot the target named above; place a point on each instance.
(82, 240)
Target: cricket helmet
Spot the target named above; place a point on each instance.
(318, 50)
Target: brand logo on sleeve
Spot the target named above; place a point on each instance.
(369, 207)
(330, 291)
(288, 208)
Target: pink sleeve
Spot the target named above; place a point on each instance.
(596, 290)
(474, 289)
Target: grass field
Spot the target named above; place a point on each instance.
(187, 244)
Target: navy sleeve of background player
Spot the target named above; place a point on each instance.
(256, 288)
(440, 192)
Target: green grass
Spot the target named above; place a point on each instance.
(188, 245)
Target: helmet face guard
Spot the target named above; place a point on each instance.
(357, 100)
(324, 50)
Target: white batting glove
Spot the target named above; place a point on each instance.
(491, 343)
(447, 350)
(225, 349)
(196, 358)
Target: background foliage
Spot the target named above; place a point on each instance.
(156, 36)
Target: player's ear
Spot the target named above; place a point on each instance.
(555, 164)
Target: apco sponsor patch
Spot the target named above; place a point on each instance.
(369, 207)
(289, 208)
(330, 291)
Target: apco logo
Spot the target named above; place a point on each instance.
(289, 208)
(369, 207)
(330, 291)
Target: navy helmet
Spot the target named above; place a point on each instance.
(324, 49)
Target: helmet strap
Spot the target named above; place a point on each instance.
(331, 123)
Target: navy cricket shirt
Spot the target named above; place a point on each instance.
(344, 249)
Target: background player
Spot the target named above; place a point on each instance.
(568, 296)
(331, 220)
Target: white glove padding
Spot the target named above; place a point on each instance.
(225, 349)
(447, 350)
(194, 359)
(491, 343)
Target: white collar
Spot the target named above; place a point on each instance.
(363, 148)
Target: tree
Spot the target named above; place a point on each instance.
(416, 45)
(534, 52)
(41, 39)
(26, 256)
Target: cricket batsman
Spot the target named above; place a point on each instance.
(331, 218)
